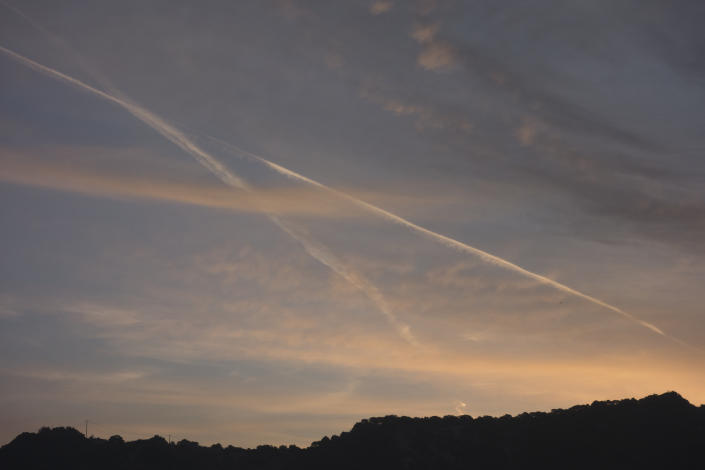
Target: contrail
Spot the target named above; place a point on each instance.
(322, 254)
(178, 138)
(230, 179)
(151, 119)
(316, 250)
(452, 243)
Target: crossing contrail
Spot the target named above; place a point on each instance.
(452, 243)
(182, 141)
(322, 254)
(313, 248)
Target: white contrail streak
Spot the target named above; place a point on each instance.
(178, 138)
(151, 119)
(316, 250)
(322, 254)
(230, 179)
(452, 243)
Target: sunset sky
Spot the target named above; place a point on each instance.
(261, 221)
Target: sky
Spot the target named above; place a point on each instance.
(258, 222)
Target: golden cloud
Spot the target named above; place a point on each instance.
(437, 56)
(424, 34)
(291, 200)
(377, 8)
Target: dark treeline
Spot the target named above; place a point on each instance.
(659, 431)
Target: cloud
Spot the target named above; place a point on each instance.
(208, 161)
(334, 60)
(379, 7)
(527, 131)
(437, 56)
(83, 177)
(94, 378)
(46, 175)
(424, 33)
(469, 249)
(426, 7)
(267, 307)
(105, 316)
(427, 117)
(6, 312)
(294, 10)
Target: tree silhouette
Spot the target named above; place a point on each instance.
(659, 431)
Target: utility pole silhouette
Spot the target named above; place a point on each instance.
(86, 434)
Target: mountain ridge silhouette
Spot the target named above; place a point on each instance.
(657, 431)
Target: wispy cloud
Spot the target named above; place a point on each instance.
(293, 200)
(381, 6)
(424, 33)
(82, 377)
(438, 56)
(558, 149)
(527, 131)
(426, 117)
(218, 169)
(464, 247)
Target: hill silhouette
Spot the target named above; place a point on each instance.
(658, 431)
